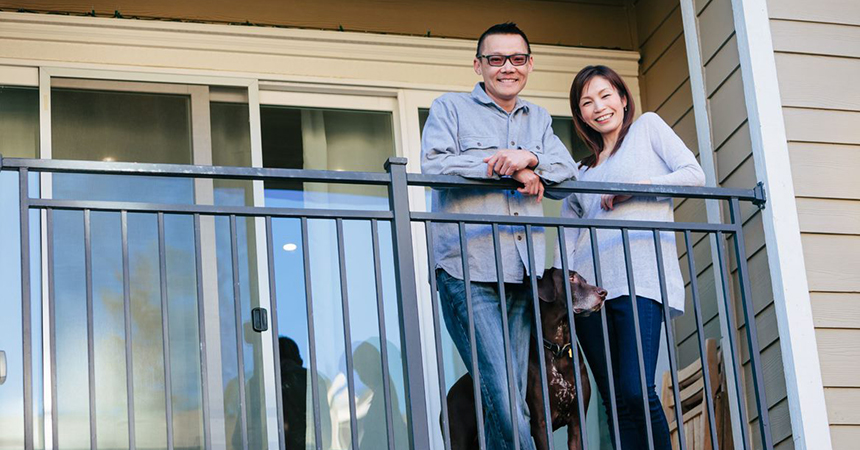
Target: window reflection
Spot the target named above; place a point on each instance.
(130, 127)
(325, 139)
(19, 138)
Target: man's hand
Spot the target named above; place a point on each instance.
(506, 162)
(608, 201)
(532, 182)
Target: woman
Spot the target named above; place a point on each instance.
(646, 151)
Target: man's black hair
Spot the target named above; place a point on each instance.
(503, 28)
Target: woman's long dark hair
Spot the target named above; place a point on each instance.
(592, 138)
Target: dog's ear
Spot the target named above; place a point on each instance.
(550, 286)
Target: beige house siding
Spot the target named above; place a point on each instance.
(584, 23)
(666, 89)
(734, 168)
(817, 51)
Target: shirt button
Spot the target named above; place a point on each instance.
(537, 147)
(516, 214)
(479, 143)
(513, 143)
(519, 238)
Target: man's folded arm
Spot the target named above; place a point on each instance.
(555, 163)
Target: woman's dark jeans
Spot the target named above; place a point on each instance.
(625, 368)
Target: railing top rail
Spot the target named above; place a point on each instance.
(567, 187)
(572, 222)
(755, 195)
(194, 171)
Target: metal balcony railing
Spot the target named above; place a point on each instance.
(401, 218)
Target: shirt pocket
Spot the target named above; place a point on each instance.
(479, 143)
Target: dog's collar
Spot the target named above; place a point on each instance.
(558, 350)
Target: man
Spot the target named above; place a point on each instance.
(492, 133)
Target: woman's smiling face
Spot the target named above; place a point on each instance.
(601, 106)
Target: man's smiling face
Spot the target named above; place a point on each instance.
(504, 83)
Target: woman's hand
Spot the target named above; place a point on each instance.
(506, 162)
(532, 182)
(608, 201)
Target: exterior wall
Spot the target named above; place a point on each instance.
(817, 52)
(582, 23)
(666, 89)
(730, 137)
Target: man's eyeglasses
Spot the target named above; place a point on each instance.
(517, 59)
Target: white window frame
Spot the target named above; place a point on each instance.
(197, 88)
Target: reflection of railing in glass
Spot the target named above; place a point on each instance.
(354, 417)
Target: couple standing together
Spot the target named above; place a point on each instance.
(491, 133)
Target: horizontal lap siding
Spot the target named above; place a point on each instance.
(571, 23)
(735, 168)
(664, 78)
(815, 44)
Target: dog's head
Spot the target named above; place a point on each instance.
(586, 297)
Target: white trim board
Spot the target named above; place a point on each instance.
(278, 54)
(706, 156)
(809, 423)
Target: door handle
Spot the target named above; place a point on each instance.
(2, 367)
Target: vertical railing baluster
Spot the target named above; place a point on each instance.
(201, 330)
(574, 345)
(165, 332)
(383, 335)
(91, 366)
(410, 320)
(634, 302)
(129, 356)
(26, 321)
(733, 350)
(273, 295)
(240, 332)
(506, 337)
(670, 339)
(312, 346)
(347, 335)
(700, 333)
(437, 337)
(752, 332)
(538, 335)
(52, 333)
(598, 280)
(476, 374)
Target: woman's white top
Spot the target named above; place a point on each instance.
(652, 151)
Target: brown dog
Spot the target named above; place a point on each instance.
(559, 368)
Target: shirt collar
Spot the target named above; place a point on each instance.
(479, 94)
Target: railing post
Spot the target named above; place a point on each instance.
(407, 296)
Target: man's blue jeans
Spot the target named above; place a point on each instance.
(486, 312)
(625, 368)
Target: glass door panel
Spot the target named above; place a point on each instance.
(140, 125)
(152, 123)
(19, 138)
(326, 139)
(333, 139)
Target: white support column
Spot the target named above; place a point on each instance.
(261, 243)
(809, 425)
(708, 162)
(204, 195)
(45, 191)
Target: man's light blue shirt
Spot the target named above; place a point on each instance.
(463, 129)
